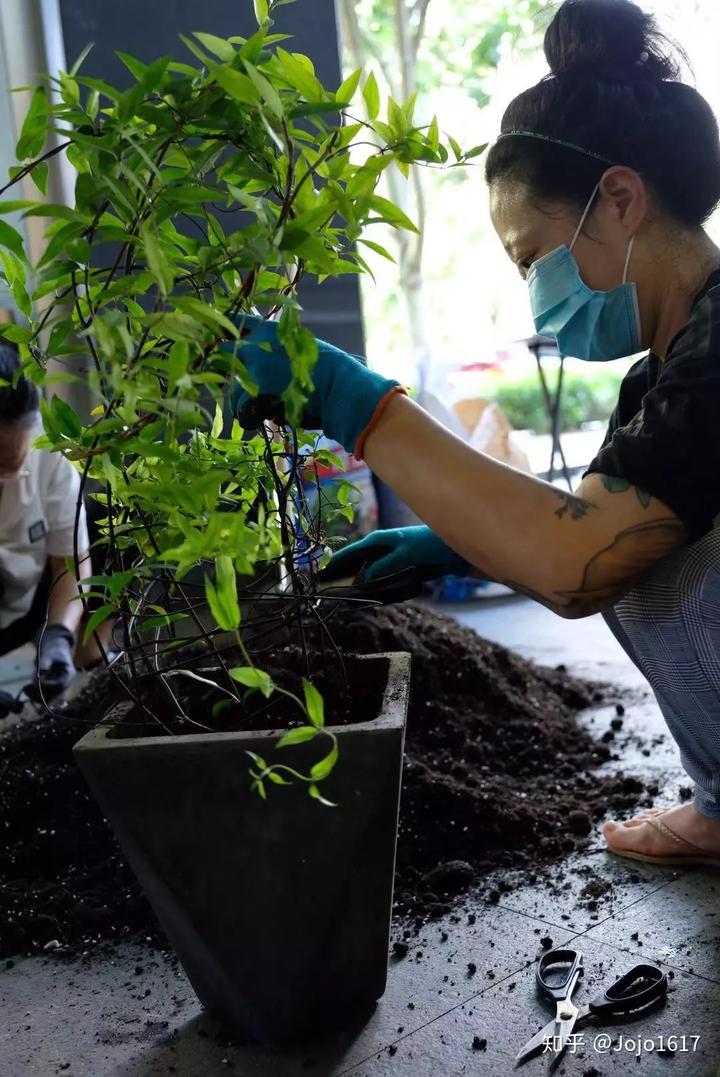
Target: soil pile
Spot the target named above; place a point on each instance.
(495, 764)
(498, 772)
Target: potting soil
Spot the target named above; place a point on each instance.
(498, 774)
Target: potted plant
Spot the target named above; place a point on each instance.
(205, 191)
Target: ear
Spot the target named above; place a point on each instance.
(625, 195)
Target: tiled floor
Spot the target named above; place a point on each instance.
(98, 1019)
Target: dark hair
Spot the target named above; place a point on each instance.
(613, 91)
(19, 399)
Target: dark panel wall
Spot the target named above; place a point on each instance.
(149, 28)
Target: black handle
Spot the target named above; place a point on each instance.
(636, 990)
(259, 409)
(558, 972)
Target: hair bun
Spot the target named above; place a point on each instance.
(615, 38)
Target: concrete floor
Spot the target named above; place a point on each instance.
(99, 1017)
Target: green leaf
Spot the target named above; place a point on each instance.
(220, 706)
(408, 110)
(313, 108)
(18, 334)
(218, 46)
(433, 135)
(372, 96)
(266, 90)
(278, 778)
(66, 419)
(136, 67)
(377, 248)
(163, 620)
(11, 238)
(22, 299)
(102, 87)
(12, 266)
(475, 151)
(392, 213)
(69, 89)
(347, 89)
(35, 127)
(252, 677)
(315, 793)
(52, 209)
(396, 119)
(298, 736)
(81, 59)
(345, 490)
(39, 176)
(222, 595)
(178, 361)
(158, 263)
(261, 11)
(206, 314)
(322, 769)
(455, 145)
(236, 84)
(15, 204)
(96, 618)
(258, 759)
(196, 51)
(301, 77)
(314, 704)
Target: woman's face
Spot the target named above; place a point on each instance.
(15, 442)
(529, 230)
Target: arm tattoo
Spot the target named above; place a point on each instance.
(615, 485)
(576, 506)
(613, 571)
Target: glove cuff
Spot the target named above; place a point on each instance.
(375, 418)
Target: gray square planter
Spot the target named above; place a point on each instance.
(279, 910)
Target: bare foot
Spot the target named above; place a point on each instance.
(637, 835)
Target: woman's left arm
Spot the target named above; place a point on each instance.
(575, 553)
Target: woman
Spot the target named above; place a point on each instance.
(600, 183)
(38, 498)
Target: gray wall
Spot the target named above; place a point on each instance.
(149, 28)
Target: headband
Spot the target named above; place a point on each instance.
(557, 142)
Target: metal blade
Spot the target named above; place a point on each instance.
(546, 1032)
(567, 1021)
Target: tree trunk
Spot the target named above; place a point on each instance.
(408, 196)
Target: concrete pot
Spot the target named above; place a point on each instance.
(279, 910)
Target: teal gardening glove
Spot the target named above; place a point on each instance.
(346, 400)
(398, 550)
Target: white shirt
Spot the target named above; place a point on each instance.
(37, 521)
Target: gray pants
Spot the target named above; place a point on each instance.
(670, 627)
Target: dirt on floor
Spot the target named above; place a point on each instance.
(498, 774)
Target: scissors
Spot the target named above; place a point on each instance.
(635, 993)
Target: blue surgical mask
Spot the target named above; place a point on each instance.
(587, 324)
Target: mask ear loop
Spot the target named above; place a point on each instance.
(584, 217)
(627, 260)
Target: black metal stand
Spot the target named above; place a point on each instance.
(541, 347)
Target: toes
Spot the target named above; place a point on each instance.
(630, 834)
